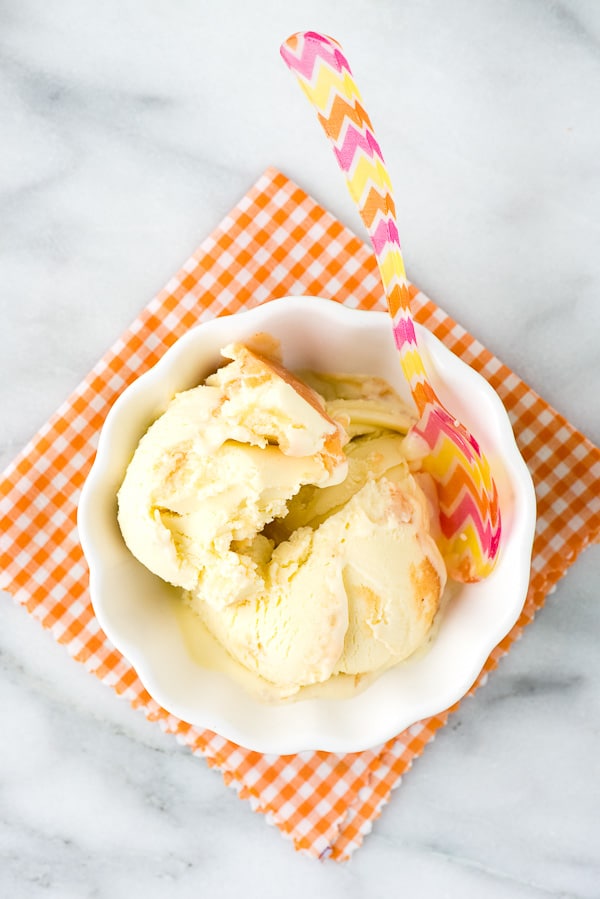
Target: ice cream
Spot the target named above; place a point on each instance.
(284, 509)
(221, 462)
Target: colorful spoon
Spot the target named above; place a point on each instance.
(468, 499)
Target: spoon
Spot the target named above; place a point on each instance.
(467, 495)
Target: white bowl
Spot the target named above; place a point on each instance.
(136, 609)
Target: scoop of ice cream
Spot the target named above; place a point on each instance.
(221, 462)
(286, 510)
(357, 594)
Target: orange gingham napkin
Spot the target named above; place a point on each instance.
(277, 241)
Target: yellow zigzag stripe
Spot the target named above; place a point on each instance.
(472, 543)
(368, 171)
(444, 458)
(391, 265)
(412, 366)
(327, 85)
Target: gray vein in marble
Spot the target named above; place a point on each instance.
(568, 20)
(17, 673)
(496, 874)
(66, 106)
(544, 683)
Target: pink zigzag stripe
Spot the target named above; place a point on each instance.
(314, 48)
(439, 423)
(385, 233)
(352, 142)
(404, 333)
(467, 510)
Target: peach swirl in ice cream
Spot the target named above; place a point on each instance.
(283, 508)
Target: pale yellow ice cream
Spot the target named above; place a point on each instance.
(221, 462)
(285, 510)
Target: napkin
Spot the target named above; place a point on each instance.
(277, 241)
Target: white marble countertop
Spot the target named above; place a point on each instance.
(128, 130)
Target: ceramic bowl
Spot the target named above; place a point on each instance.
(137, 610)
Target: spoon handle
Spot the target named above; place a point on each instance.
(325, 77)
(468, 499)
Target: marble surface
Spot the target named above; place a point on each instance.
(128, 130)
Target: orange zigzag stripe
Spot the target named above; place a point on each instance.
(340, 111)
(423, 394)
(376, 202)
(460, 482)
(398, 298)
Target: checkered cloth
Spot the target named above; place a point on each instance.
(277, 241)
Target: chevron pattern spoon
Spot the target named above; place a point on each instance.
(468, 499)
